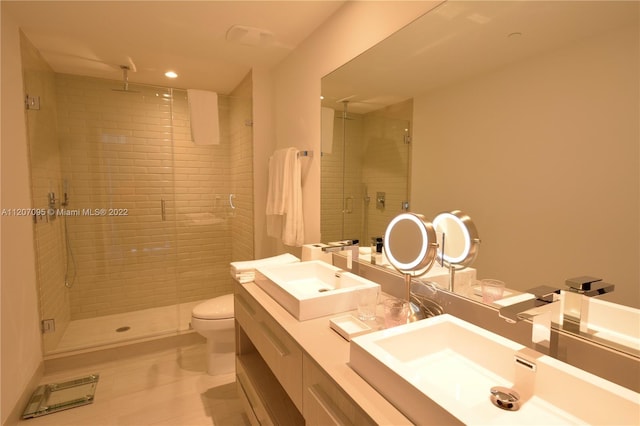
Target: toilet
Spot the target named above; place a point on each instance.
(213, 319)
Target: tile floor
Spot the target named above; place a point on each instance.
(169, 388)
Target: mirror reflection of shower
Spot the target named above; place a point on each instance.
(370, 156)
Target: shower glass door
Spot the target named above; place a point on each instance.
(117, 169)
(102, 166)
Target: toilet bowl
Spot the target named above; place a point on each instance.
(213, 319)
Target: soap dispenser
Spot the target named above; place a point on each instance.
(376, 250)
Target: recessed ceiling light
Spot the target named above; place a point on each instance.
(171, 74)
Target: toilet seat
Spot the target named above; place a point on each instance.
(220, 307)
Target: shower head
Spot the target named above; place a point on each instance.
(125, 80)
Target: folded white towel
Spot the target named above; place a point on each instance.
(249, 266)
(245, 277)
(284, 197)
(203, 115)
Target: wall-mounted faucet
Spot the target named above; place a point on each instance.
(526, 309)
(575, 301)
(339, 246)
(52, 205)
(381, 198)
(537, 310)
(350, 245)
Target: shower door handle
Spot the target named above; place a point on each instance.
(348, 205)
(163, 209)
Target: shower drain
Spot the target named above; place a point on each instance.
(122, 329)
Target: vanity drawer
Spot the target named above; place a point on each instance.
(279, 351)
(325, 403)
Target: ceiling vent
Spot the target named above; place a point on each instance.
(250, 36)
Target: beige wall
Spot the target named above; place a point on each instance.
(296, 88)
(20, 348)
(551, 141)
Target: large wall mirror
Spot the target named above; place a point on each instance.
(526, 116)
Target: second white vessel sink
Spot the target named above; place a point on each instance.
(441, 370)
(313, 288)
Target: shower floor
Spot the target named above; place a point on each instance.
(111, 329)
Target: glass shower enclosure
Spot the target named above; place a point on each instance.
(135, 223)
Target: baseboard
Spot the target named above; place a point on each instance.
(16, 414)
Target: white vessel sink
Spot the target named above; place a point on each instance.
(313, 289)
(440, 371)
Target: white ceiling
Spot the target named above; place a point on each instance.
(94, 38)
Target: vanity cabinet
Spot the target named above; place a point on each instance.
(268, 365)
(292, 372)
(324, 403)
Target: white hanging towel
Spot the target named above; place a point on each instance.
(284, 197)
(326, 129)
(203, 113)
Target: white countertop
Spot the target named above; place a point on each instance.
(315, 337)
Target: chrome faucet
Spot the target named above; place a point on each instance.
(538, 311)
(526, 309)
(575, 301)
(350, 245)
(339, 246)
(589, 286)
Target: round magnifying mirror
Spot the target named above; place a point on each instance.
(458, 238)
(410, 244)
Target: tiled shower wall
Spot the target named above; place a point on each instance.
(118, 155)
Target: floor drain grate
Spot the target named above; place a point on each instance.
(121, 329)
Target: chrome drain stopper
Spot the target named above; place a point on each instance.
(505, 398)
